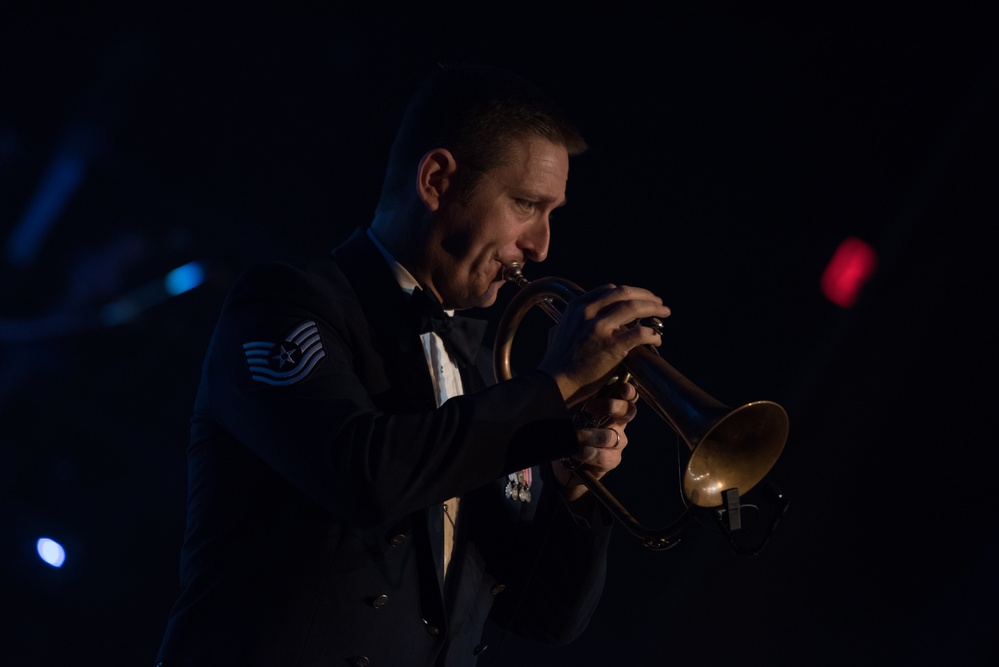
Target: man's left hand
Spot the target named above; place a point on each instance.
(600, 446)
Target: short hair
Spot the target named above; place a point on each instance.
(475, 112)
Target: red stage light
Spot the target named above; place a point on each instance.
(851, 266)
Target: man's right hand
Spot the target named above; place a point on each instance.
(593, 337)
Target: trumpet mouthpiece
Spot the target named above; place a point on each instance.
(511, 273)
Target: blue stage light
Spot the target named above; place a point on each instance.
(51, 552)
(184, 278)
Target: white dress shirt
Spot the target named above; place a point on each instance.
(444, 374)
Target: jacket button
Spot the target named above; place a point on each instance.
(433, 629)
(480, 648)
(360, 661)
(497, 589)
(379, 601)
(397, 540)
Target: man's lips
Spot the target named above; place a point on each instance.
(504, 266)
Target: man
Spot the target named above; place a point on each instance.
(358, 494)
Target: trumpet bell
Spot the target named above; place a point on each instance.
(729, 448)
(736, 452)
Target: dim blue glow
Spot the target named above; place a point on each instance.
(61, 180)
(51, 552)
(117, 313)
(184, 278)
(178, 281)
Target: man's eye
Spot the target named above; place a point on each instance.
(525, 204)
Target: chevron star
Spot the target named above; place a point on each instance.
(284, 356)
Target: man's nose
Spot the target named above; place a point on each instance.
(535, 240)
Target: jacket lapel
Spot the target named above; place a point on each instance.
(386, 308)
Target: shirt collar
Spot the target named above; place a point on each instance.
(402, 276)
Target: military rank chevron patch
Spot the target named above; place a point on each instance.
(288, 361)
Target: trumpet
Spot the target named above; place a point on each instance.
(730, 450)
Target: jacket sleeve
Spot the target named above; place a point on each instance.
(297, 381)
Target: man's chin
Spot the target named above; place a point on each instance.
(475, 296)
(488, 298)
(492, 293)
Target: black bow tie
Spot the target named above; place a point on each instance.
(461, 335)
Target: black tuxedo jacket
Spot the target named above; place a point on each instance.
(318, 466)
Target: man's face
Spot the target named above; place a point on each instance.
(505, 220)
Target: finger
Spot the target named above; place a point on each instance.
(634, 336)
(628, 300)
(622, 390)
(606, 295)
(622, 303)
(612, 438)
(600, 412)
(630, 410)
(602, 451)
(601, 439)
(624, 315)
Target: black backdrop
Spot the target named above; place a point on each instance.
(731, 151)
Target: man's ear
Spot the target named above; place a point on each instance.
(433, 177)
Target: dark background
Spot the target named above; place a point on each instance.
(732, 149)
